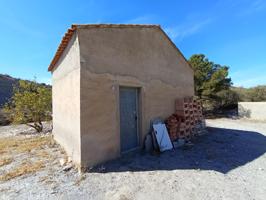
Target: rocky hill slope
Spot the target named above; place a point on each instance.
(6, 87)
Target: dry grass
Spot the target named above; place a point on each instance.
(5, 161)
(43, 154)
(47, 180)
(44, 178)
(22, 144)
(35, 148)
(24, 168)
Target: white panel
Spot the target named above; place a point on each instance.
(162, 137)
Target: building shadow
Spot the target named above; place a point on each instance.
(220, 149)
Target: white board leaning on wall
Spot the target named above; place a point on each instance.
(162, 137)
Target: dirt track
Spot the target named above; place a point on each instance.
(227, 163)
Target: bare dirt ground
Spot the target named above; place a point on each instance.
(227, 163)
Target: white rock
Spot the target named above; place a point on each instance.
(62, 161)
(69, 159)
(67, 168)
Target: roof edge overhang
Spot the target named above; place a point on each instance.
(63, 44)
(70, 32)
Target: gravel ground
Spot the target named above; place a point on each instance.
(229, 162)
(22, 129)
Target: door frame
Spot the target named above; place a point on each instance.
(138, 123)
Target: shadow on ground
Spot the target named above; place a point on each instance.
(221, 150)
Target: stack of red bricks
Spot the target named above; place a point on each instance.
(173, 124)
(183, 123)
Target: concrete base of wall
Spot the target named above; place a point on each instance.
(252, 110)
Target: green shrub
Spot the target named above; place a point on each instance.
(30, 104)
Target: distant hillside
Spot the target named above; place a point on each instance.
(253, 94)
(6, 87)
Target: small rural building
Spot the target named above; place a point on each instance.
(109, 81)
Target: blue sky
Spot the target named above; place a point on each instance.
(228, 32)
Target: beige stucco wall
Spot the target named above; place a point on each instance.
(252, 110)
(113, 57)
(66, 100)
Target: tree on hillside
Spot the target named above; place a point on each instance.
(209, 77)
(30, 104)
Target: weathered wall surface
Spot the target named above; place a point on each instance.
(138, 57)
(66, 100)
(252, 110)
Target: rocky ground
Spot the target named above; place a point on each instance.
(229, 162)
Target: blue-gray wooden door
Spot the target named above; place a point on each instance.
(128, 118)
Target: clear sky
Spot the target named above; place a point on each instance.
(229, 32)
